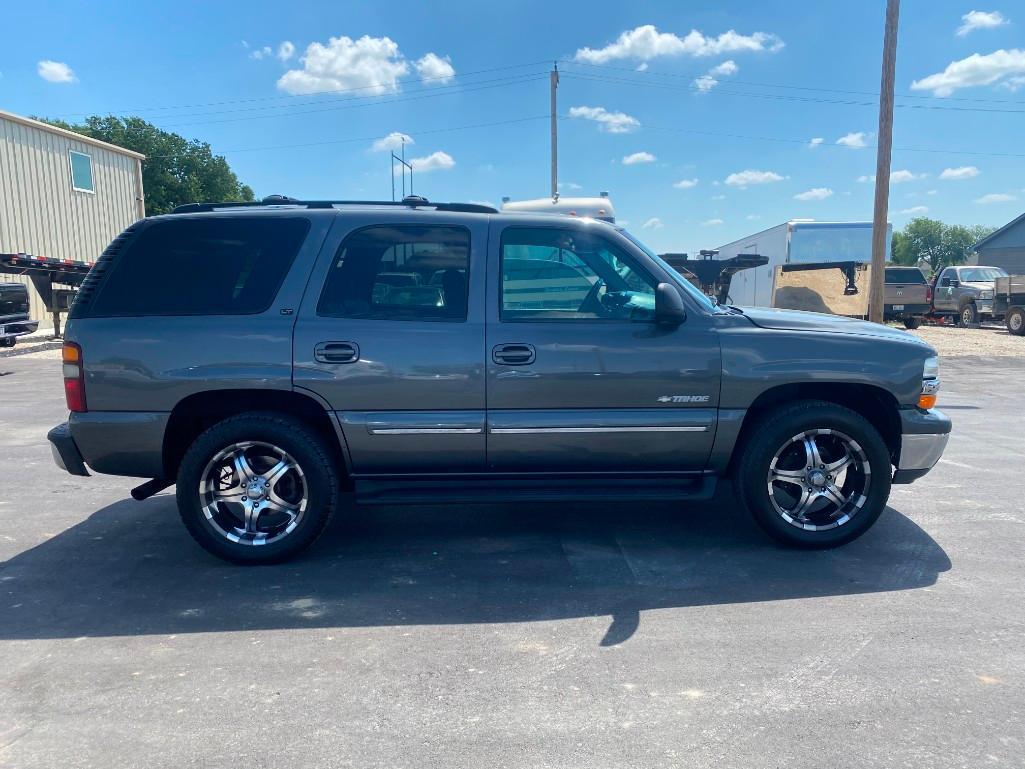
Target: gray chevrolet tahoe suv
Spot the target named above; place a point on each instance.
(517, 357)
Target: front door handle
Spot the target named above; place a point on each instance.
(336, 352)
(516, 354)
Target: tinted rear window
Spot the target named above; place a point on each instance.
(904, 275)
(215, 266)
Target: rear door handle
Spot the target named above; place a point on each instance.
(336, 352)
(516, 354)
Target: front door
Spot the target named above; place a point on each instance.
(579, 376)
(391, 336)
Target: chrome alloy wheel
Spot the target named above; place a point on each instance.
(253, 493)
(819, 479)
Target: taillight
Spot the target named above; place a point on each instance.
(74, 377)
(928, 294)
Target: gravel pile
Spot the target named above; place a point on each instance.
(986, 342)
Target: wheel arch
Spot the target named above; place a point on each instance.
(875, 404)
(195, 413)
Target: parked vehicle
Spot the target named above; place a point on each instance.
(1009, 302)
(560, 359)
(966, 293)
(907, 295)
(14, 313)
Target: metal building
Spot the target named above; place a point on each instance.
(1005, 248)
(62, 194)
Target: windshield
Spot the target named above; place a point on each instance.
(693, 292)
(981, 274)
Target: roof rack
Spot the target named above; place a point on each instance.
(410, 201)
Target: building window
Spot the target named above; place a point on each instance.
(81, 171)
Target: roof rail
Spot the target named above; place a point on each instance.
(410, 201)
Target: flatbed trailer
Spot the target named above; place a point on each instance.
(1009, 301)
(44, 272)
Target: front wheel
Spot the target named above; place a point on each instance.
(257, 488)
(8, 341)
(912, 323)
(969, 315)
(814, 474)
(1016, 321)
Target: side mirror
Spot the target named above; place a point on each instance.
(945, 283)
(954, 283)
(669, 307)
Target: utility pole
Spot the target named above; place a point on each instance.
(883, 152)
(554, 80)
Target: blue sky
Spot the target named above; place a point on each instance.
(719, 124)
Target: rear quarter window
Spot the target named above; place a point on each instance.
(203, 266)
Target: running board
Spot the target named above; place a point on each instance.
(439, 491)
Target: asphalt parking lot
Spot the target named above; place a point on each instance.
(506, 637)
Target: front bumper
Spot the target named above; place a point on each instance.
(924, 436)
(65, 451)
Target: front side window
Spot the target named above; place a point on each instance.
(553, 274)
(202, 266)
(81, 171)
(401, 272)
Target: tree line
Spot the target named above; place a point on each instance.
(176, 170)
(933, 245)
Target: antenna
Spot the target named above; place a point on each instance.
(404, 166)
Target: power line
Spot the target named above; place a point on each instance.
(719, 91)
(370, 87)
(873, 94)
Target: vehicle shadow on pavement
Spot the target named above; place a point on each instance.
(131, 569)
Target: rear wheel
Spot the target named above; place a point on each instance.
(969, 315)
(257, 488)
(912, 323)
(814, 474)
(1016, 321)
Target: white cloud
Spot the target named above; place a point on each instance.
(612, 122)
(973, 71)
(642, 67)
(435, 68)
(915, 211)
(436, 161)
(931, 192)
(710, 79)
(854, 140)
(815, 193)
(899, 177)
(813, 143)
(1012, 84)
(964, 172)
(638, 157)
(751, 176)
(570, 186)
(261, 53)
(753, 217)
(711, 222)
(55, 71)
(686, 184)
(654, 223)
(980, 20)
(286, 50)
(996, 197)
(718, 197)
(646, 42)
(392, 141)
(371, 63)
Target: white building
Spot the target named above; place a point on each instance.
(62, 194)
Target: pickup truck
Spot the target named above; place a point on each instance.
(14, 313)
(907, 295)
(966, 293)
(555, 358)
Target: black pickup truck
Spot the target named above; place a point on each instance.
(14, 313)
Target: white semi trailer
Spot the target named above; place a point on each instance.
(801, 248)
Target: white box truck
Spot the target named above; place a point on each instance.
(796, 249)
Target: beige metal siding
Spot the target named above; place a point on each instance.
(41, 214)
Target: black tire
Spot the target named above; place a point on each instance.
(969, 315)
(316, 471)
(1015, 321)
(775, 430)
(912, 323)
(8, 341)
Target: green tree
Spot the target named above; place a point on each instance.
(933, 244)
(176, 170)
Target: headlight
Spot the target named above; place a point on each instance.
(985, 294)
(931, 369)
(930, 383)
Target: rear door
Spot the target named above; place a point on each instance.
(579, 377)
(391, 336)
